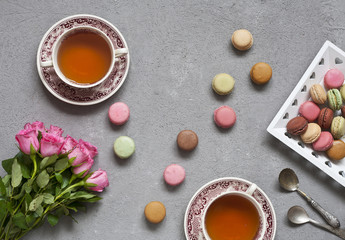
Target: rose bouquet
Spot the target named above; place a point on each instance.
(49, 177)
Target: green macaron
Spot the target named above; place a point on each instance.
(338, 127)
(334, 99)
(124, 147)
(342, 91)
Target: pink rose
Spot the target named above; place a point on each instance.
(38, 126)
(27, 137)
(92, 150)
(69, 144)
(100, 178)
(82, 152)
(80, 155)
(85, 167)
(55, 130)
(51, 144)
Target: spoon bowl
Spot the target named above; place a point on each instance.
(298, 215)
(288, 180)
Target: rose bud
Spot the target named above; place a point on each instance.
(26, 138)
(99, 178)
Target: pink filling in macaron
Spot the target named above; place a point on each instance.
(174, 174)
(334, 78)
(310, 111)
(118, 113)
(324, 142)
(224, 117)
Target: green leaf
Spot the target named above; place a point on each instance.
(42, 179)
(48, 161)
(6, 180)
(32, 150)
(28, 185)
(16, 174)
(30, 219)
(66, 176)
(25, 164)
(57, 190)
(81, 194)
(91, 200)
(36, 203)
(39, 211)
(3, 210)
(58, 177)
(52, 219)
(48, 198)
(7, 165)
(61, 164)
(28, 199)
(19, 220)
(2, 188)
(25, 171)
(77, 206)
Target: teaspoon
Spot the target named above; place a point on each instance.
(298, 215)
(289, 181)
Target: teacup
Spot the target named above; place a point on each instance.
(249, 218)
(84, 57)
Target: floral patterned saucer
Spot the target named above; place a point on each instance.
(201, 199)
(71, 94)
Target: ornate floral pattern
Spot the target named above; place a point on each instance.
(200, 201)
(75, 95)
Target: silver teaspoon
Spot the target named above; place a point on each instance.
(298, 215)
(289, 181)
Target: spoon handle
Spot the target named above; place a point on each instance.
(330, 219)
(337, 231)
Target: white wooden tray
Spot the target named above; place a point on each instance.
(329, 56)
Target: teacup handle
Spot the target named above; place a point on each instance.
(48, 63)
(251, 189)
(120, 52)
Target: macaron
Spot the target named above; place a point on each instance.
(155, 212)
(324, 142)
(124, 147)
(242, 39)
(118, 113)
(297, 126)
(334, 99)
(325, 118)
(261, 73)
(223, 83)
(174, 174)
(309, 110)
(312, 134)
(337, 151)
(187, 140)
(342, 92)
(334, 78)
(318, 94)
(338, 127)
(224, 117)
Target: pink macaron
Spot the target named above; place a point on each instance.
(224, 117)
(118, 113)
(334, 78)
(310, 111)
(324, 142)
(174, 174)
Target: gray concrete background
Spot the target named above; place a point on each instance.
(176, 48)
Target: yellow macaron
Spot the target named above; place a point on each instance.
(223, 83)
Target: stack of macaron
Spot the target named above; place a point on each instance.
(320, 122)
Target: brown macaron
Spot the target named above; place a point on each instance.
(297, 126)
(261, 73)
(337, 151)
(155, 212)
(325, 118)
(187, 140)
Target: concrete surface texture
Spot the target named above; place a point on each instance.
(176, 48)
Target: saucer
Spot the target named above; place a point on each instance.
(73, 95)
(203, 197)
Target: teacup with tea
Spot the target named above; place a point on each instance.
(84, 57)
(234, 215)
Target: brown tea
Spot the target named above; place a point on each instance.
(232, 217)
(84, 57)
